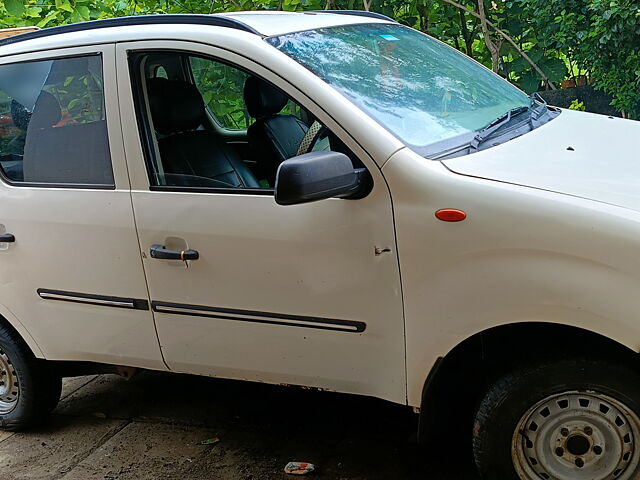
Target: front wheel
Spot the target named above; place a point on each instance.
(574, 419)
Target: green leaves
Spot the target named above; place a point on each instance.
(554, 68)
(64, 5)
(601, 37)
(48, 19)
(530, 81)
(522, 65)
(83, 11)
(14, 7)
(80, 13)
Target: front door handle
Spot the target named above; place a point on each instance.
(159, 251)
(7, 238)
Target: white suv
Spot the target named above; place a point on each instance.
(448, 242)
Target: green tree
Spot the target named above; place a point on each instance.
(600, 36)
(612, 48)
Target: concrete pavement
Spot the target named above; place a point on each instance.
(152, 426)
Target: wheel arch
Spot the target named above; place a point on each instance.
(457, 379)
(8, 320)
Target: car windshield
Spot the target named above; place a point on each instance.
(426, 93)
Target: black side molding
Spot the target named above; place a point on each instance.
(282, 319)
(259, 317)
(102, 300)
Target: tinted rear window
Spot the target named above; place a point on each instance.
(52, 123)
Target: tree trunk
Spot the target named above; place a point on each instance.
(456, 42)
(466, 34)
(508, 39)
(491, 46)
(423, 14)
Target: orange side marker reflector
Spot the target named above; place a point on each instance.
(450, 215)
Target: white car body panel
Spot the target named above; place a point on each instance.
(547, 239)
(278, 23)
(522, 255)
(600, 166)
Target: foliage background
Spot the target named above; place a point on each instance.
(575, 41)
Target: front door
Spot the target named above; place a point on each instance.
(71, 273)
(306, 294)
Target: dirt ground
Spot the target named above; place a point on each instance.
(152, 426)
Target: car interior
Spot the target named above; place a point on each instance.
(213, 125)
(62, 137)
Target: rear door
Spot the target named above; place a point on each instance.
(308, 294)
(73, 277)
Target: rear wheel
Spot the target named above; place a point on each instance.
(574, 419)
(9, 385)
(29, 390)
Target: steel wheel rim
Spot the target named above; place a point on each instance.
(577, 435)
(9, 386)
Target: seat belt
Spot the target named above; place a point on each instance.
(308, 138)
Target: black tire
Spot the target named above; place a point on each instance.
(509, 399)
(37, 386)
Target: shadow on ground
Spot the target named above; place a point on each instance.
(151, 426)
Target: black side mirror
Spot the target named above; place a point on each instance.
(320, 175)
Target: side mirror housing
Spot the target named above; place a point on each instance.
(320, 175)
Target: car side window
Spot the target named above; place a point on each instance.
(222, 88)
(255, 125)
(52, 123)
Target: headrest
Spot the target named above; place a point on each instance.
(175, 106)
(20, 115)
(262, 99)
(46, 112)
(67, 67)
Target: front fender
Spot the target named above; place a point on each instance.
(522, 255)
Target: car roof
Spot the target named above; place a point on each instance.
(270, 23)
(262, 23)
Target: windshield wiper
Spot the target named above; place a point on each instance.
(537, 109)
(535, 96)
(495, 125)
(534, 114)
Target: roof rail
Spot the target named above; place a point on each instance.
(358, 13)
(159, 19)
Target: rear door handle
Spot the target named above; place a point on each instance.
(159, 251)
(7, 238)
